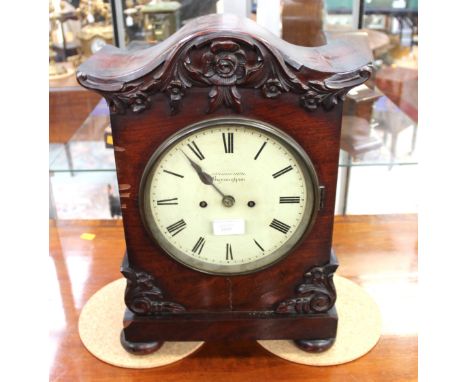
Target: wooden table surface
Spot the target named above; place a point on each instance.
(377, 252)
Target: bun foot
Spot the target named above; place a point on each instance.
(139, 348)
(315, 346)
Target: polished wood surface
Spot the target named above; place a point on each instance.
(377, 252)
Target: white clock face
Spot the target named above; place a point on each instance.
(230, 196)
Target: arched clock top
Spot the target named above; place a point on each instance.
(223, 53)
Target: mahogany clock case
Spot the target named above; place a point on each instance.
(155, 92)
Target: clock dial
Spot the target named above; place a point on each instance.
(229, 196)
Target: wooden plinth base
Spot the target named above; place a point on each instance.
(358, 331)
(226, 326)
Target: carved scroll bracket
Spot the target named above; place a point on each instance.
(316, 294)
(332, 90)
(143, 297)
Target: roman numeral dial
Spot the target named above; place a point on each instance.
(259, 246)
(229, 198)
(198, 247)
(289, 199)
(282, 172)
(167, 202)
(173, 173)
(280, 226)
(176, 227)
(229, 252)
(195, 150)
(260, 150)
(228, 141)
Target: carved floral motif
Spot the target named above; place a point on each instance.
(223, 65)
(175, 91)
(272, 88)
(316, 294)
(143, 297)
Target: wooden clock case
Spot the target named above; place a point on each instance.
(221, 66)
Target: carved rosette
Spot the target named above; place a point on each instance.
(316, 294)
(223, 65)
(143, 297)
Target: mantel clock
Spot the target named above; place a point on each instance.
(226, 142)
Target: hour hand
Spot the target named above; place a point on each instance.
(204, 177)
(228, 200)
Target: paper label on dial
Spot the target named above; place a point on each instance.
(228, 227)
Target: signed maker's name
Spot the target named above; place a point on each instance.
(229, 177)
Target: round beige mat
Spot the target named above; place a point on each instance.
(359, 326)
(100, 324)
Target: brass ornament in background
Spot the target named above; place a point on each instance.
(96, 26)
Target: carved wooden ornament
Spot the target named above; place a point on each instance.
(222, 54)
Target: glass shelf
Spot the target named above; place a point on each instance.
(375, 133)
(86, 151)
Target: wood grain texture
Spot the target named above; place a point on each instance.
(377, 252)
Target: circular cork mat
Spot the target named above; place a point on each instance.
(359, 326)
(100, 324)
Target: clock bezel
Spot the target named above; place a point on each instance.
(309, 216)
